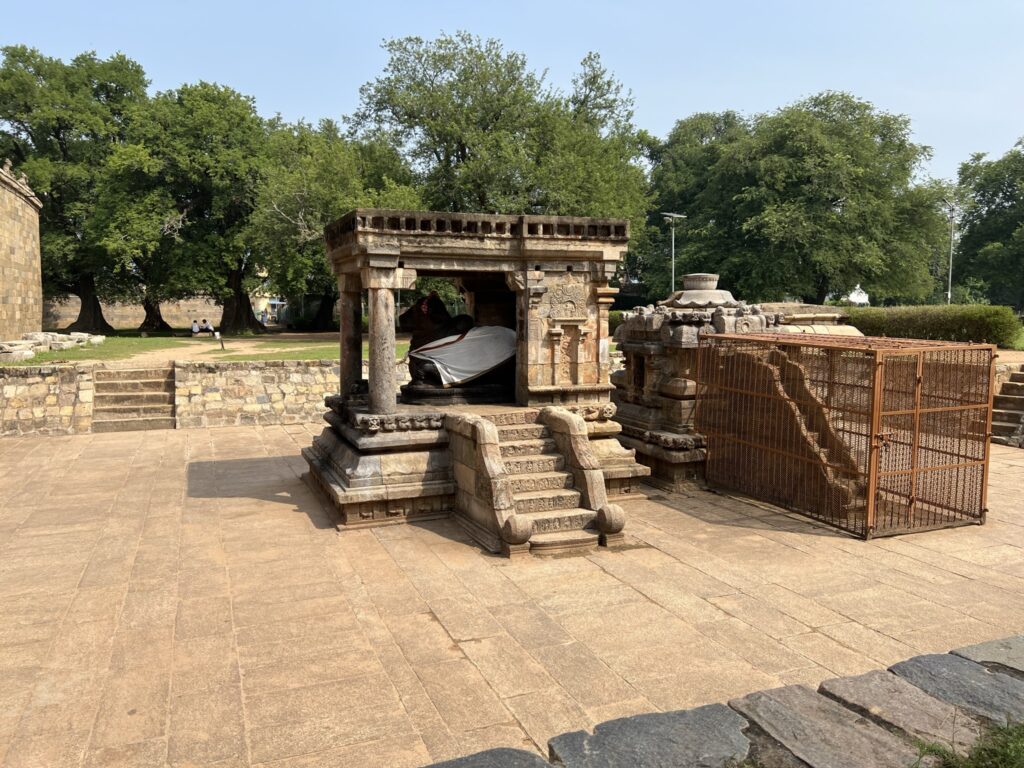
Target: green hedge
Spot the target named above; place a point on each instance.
(955, 322)
(614, 320)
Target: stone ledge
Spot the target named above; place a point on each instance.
(875, 720)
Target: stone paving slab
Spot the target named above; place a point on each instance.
(194, 579)
(704, 737)
(822, 732)
(1007, 653)
(888, 698)
(967, 685)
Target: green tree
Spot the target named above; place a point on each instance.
(59, 122)
(806, 202)
(191, 171)
(310, 177)
(483, 132)
(991, 248)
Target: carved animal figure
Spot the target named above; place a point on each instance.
(429, 320)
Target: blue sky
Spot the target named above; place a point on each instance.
(954, 67)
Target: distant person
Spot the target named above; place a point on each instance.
(205, 327)
(263, 317)
(195, 327)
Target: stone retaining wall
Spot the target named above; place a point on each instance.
(179, 314)
(46, 400)
(270, 392)
(21, 289)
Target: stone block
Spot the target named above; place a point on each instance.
(708, 737)
(1008, 653)
(967, 685)
(889, 698)
(496, 758)
(821, 732)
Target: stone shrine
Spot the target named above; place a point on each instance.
(536, 473)
(656, 390)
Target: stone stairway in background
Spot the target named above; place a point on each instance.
(129, 399)
(543, 490)
(1008, 411)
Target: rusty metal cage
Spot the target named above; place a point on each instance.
(875, 436)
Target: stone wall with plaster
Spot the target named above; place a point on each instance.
(265, 392)
(178, 314)
(21, 288)
(46, 400)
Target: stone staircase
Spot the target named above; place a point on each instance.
(543, 491)
(1008, 412)
(129, 399)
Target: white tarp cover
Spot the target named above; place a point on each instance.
(461, 358)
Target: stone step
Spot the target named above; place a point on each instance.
(541, 481)
(1004, 428)
(1007, 417)
(133, 398)
(135, 385)
(133, 425)
(573, 519)
(511, 432)
(133, 374)
(518, 416)
(546, 501)
(535, 464)
(1017, 376)
(528, 447)
(1009, 402)
(563, 541)
(115, 412)
(1012, 388)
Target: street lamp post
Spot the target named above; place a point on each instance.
(671, 219)
(952, 224)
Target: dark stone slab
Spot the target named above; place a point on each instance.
(822, 732)
(967, 685)
(886, 697)
(1007, 653)
(496, 758)
(706, 737)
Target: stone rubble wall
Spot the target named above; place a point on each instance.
(21, 287)
(46, 400)
(265, 392)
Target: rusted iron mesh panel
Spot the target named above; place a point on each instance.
(873, 436)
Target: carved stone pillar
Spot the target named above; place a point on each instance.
(380, 282)
(350, 313)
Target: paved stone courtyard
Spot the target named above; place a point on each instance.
(181, 597)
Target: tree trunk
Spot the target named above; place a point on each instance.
(238, 316)
(324, 318)
(154, 321)
(90, 315)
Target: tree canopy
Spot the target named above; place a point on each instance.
(190, 192)
(991, 249)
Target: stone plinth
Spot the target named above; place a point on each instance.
(21, 288)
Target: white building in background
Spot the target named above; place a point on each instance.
(857, 296)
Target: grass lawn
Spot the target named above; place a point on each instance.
(311, 351)
(114, 348)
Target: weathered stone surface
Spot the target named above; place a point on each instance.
(21, 290)
(496, 758)
(890, 698)
(822, 732)
(966, 685)
(1006, 653)
(706, 737)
